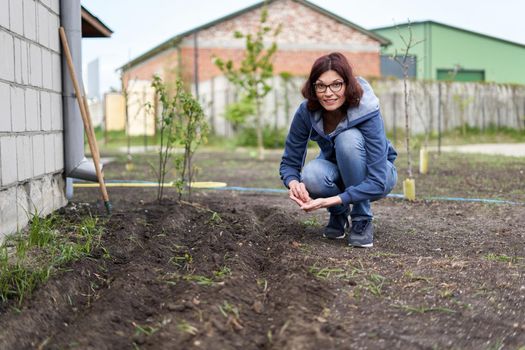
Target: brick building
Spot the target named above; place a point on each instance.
(308, 31)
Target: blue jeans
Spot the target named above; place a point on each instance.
(324, 178)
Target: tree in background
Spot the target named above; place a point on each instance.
(404, 62)
(253, 74)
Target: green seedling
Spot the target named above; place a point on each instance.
(182, 260)
(222, 273)
(312, 222)
(502, 258)
(422, 309)
(184, 327)
(325, 272)
(263, 282)
(199, 279)
(375, 284)
(228, 309)
(413, 277)
(147, 330)
(215, 219)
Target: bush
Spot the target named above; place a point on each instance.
(273, 138)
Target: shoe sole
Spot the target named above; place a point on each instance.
(359, 245)
(338, 237)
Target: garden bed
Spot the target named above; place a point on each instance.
(246, 270)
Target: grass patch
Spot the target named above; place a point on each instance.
(502, 258)
(422, 309)
(28, 259)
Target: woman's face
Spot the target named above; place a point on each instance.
(330, 90)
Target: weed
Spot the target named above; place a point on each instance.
(422, 309)
(41, 251)
(325, 272)
(228, 309)
(312, 222)
(184, 327)
(215, 219)
(263, 282)
(223, 272)
(147, 330)
(502, 258)
(375, 284)
(413, 277)
(182, 260)
(199, 279)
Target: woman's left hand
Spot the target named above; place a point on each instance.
(320, 203)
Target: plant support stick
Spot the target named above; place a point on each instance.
(87, 124)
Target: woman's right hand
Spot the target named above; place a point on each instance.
(298, 192)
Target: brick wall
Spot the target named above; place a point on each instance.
(306, 34)
(31, 141)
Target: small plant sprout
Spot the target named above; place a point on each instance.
(215, 218)
(231, 313)
(199, 279)
(182, 261)
(146, 330)
(185, 327)
(312, 222)
(222, 273)
(375, 284)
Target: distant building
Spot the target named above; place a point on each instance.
(303, 38)
(451, 53)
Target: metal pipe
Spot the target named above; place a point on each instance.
(75, 163)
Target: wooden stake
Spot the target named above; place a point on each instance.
(82, 104)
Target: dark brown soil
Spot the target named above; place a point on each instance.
(441, 275)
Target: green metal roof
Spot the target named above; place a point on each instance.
(174, 41)
(453, 28)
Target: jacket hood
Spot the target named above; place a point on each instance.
(369, 102)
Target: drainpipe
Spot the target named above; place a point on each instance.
(75, 163)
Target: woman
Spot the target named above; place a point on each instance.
(355, 164)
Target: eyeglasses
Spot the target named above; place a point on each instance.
(336, 86)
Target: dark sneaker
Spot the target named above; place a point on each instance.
(361, 234)
(336, 226)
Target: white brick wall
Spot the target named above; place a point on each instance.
(7, 59)
(32, 110)
(35, 70)
(16, 16)
(43, 26)
(4, 13)
(8, 160)
(18, 110)
(30, 19)
(31, 125)
(38, 155)
(5, 107)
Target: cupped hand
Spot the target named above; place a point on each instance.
(298, 192)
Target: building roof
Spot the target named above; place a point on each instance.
(453, 28)
(174, 41)
(92, 27)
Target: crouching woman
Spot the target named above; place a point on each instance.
(356, 161)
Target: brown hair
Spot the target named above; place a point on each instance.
(338, 63)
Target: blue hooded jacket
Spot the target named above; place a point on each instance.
(366, 117)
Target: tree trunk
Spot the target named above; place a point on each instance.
(259, 129)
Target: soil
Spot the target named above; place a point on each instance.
(241, 270)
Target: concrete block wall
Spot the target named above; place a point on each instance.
(31, 127)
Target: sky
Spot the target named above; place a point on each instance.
(140, 25)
